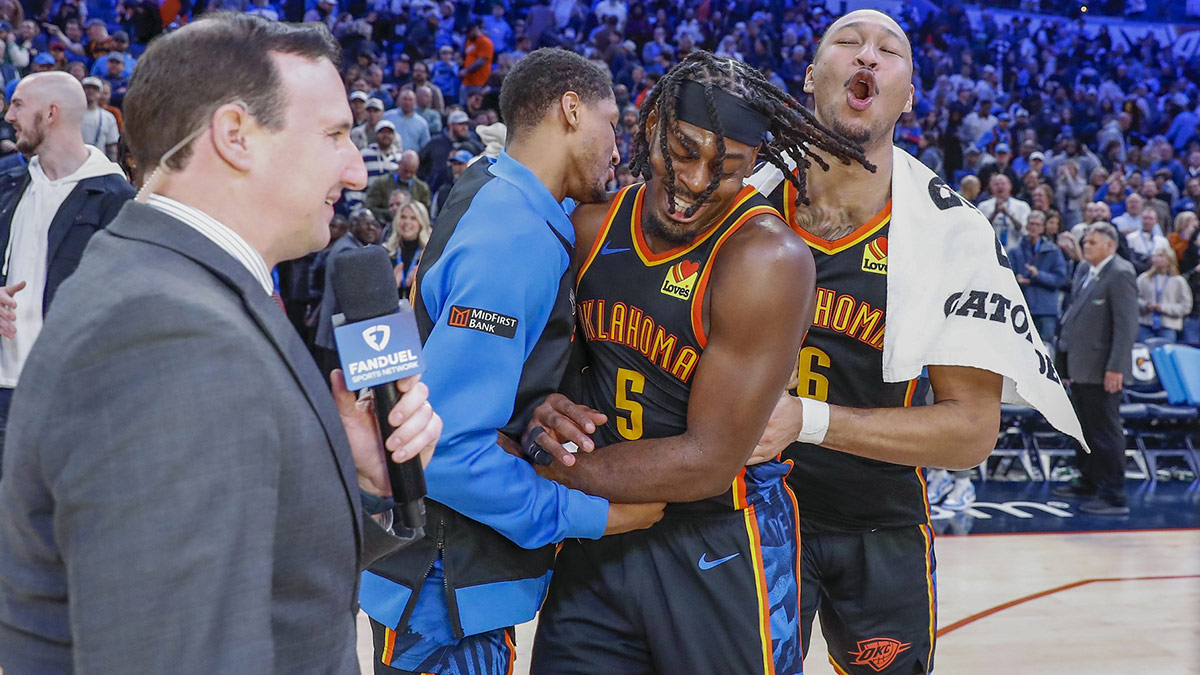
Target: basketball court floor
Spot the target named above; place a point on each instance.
(1027, 585)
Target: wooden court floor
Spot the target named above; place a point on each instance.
(1095, 603)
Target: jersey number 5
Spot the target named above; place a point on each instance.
(812, 384)
(629, 382)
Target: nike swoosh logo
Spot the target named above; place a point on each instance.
(606, 250)
(706, 564)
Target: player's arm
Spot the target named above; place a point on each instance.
(957, 432)
(761, 304)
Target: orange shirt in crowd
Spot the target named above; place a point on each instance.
(479, 49)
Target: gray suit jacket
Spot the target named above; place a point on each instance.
(179, 495)
(1100, 325)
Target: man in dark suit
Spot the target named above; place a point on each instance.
(181, 492)
(1097, 334)
(49, 209)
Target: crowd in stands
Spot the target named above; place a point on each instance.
(1044, 125)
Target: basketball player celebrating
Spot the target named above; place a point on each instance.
(693, 301)
(867, 562)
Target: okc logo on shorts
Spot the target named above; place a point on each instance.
(377, 337)
(878, 653)
(681, 279)
(875, 256)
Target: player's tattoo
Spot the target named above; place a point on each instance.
(828, 224)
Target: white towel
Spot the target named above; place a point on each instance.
(952, 298)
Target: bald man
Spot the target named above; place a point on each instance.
(50, 208)
(403, 178)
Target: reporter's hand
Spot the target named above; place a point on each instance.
(8, 309)
(628, 517)
(1113, 381)
(417, 429)
(782, 429)
(563, 420)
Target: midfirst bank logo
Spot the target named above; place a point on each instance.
(377, 337)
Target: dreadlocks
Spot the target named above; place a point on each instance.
(793, 128)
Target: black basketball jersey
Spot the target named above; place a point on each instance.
(841, 362)
(640, 313)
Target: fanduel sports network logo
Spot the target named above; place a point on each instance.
(875, 256)
(379, 350)
(377, 337)
(681, 279)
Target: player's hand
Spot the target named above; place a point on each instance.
(563, 420)
(1113, 381)
(782, 430)
(8, 309)
(629, 517)
(417, 429)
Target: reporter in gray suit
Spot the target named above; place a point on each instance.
(1094, 345)
(181, 493)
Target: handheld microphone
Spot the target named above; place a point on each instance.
(377, 345)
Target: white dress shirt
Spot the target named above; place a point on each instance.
(229, 241)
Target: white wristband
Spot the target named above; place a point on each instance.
(816, 421)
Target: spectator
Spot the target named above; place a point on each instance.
(1069, 195)
(114, 78)
(978, 122)
(403, 178)
(99, 127)
(1006, 213)
(364, 230)
(1190, 199)
(1164, 298)
(426, 109)
(410, 232)
(1147, 238)
(1000, 164)
(970, 188)
(1131, 220)
(105, 103)
(458, 162)
(364, 134)
(498, 29)
(1183, 232)
(434, 156)
(444, 74)
(1041, 271)
(50, 208)
(411, 128)
(1150, 196)
(478, 53)
(266, 9)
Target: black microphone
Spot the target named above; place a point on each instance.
(365, 286)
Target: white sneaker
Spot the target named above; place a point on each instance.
(937, 485)
(961, 496)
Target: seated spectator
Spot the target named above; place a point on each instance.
(1042, 272)
(444, 74)
(115, 77)
(1164, 298)
(363, 134)
(1006, 213)
(403, 178)
(1182, 236)
(410, 232)
(1150, 195)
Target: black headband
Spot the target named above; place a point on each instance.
(738, 120)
